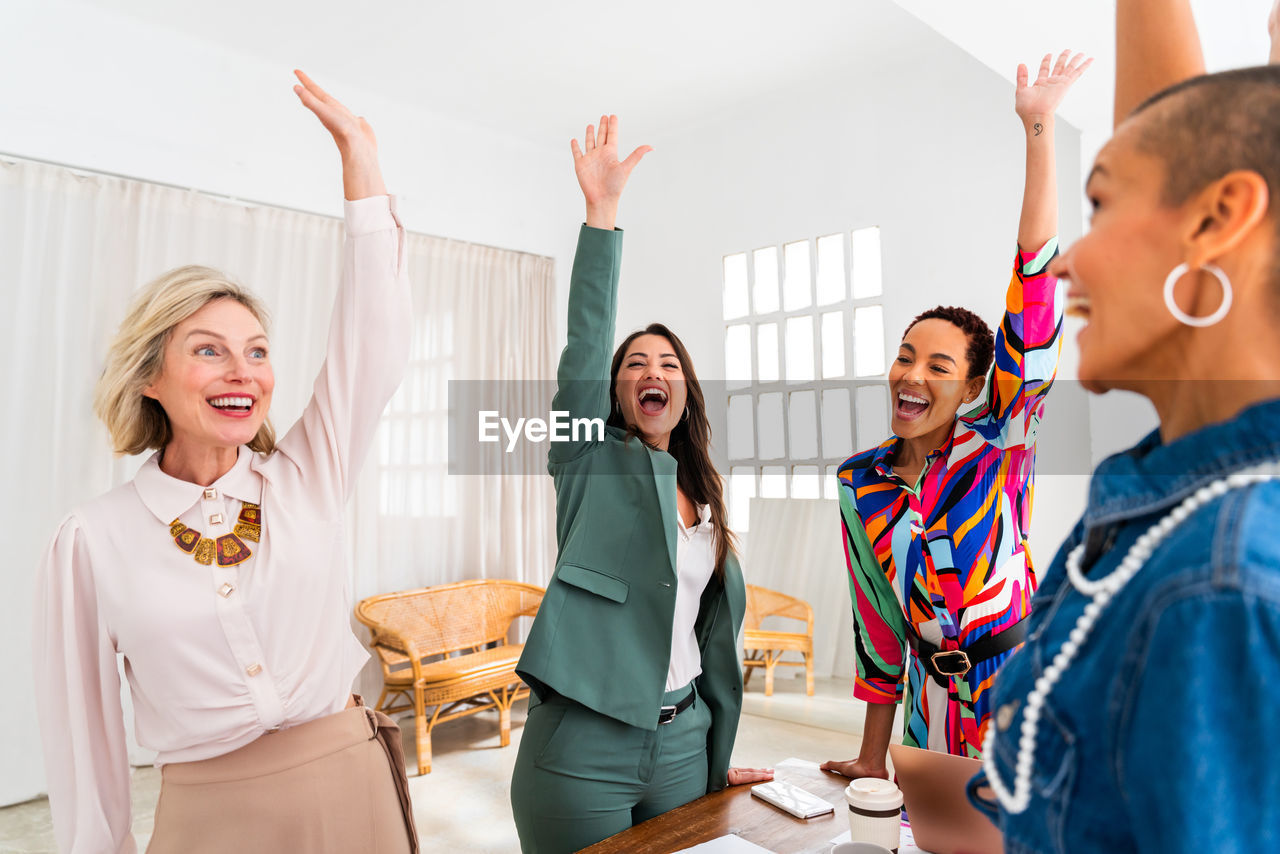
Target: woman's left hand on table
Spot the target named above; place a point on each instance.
(742, 776)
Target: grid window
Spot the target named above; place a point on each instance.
(737, 355)
(798, 285)
(767, 352)
(735, 286)
(804, 482)
(765, 293)
(799, 334)
(742, 488)
(773, 482)
(806, 361)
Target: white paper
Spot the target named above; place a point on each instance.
(793, 762)
(730, 844)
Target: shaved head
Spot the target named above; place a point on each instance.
(1208, 126)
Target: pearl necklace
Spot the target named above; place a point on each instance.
(1101, 592)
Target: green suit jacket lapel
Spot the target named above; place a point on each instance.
(664, 480)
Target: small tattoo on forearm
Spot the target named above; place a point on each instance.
(1038, 128)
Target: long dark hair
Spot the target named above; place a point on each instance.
(690, 441)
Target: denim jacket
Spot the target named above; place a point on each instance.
(1157, 737)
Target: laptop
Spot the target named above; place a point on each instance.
(933, 792)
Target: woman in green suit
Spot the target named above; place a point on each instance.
(633, 657)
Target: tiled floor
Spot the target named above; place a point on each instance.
(462, 804)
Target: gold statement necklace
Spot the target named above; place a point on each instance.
(229, 549)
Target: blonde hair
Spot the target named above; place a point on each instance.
(136, 422)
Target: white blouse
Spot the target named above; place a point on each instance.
(695, 562)
(216, 656)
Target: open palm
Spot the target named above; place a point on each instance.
(1042, 97)
(600, 174)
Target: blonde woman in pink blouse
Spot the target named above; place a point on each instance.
(218, 570)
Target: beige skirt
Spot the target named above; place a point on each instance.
(335, 785)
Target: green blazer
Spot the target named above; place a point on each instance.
(602, 636)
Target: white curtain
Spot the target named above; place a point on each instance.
(795, 547)
(73, 249)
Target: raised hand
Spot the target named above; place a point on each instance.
(361, 174)
(600, 174)
(1041, 99)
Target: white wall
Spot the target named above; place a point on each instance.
(914, 136)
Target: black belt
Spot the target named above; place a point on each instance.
(942, 664)
(667, 714)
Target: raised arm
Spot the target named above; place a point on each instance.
(1156, 46)
(1036, 105)
(1030, 335)
(371, 325)
(582, 378)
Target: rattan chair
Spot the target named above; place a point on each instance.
(445, 648)
(766, 648)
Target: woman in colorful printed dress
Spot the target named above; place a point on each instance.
(936, 518)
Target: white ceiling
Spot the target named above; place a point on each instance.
(537, 68)
(1232, 32)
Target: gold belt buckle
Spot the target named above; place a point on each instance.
(965, 665)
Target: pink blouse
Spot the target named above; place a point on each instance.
(216, 656)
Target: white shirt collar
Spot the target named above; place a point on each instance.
(704, 516)
(168, 498)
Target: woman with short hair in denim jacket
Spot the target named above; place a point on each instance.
(1131, 719)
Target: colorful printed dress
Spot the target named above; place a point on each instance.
(950, 556)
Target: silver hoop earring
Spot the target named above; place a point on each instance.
(1209, 320)
(685, 416)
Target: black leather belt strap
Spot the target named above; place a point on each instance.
(942, 664)
(667, 714)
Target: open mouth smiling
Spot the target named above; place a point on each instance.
(1078, 306)
(652, 400)
(234, 405)
(910, 406)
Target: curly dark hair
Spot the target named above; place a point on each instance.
(982, 344)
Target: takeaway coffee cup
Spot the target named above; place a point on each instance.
(875, 811)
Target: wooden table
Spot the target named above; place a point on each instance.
(736, 810)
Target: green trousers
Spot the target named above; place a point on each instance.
(581, 776)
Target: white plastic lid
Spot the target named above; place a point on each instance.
(872, 793)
